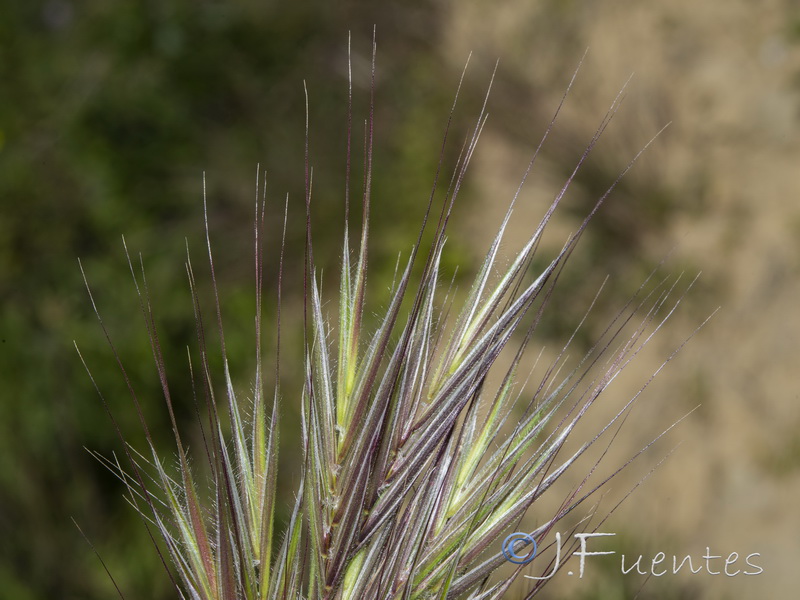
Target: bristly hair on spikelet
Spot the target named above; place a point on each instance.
(413, 468)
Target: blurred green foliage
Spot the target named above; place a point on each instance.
(110, 113)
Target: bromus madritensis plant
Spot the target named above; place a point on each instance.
(418, 457)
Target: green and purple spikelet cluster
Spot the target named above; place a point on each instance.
(415, 466)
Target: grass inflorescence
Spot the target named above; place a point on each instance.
(418, 458)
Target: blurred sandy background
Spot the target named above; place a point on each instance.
(722, 186)
(109, 116)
